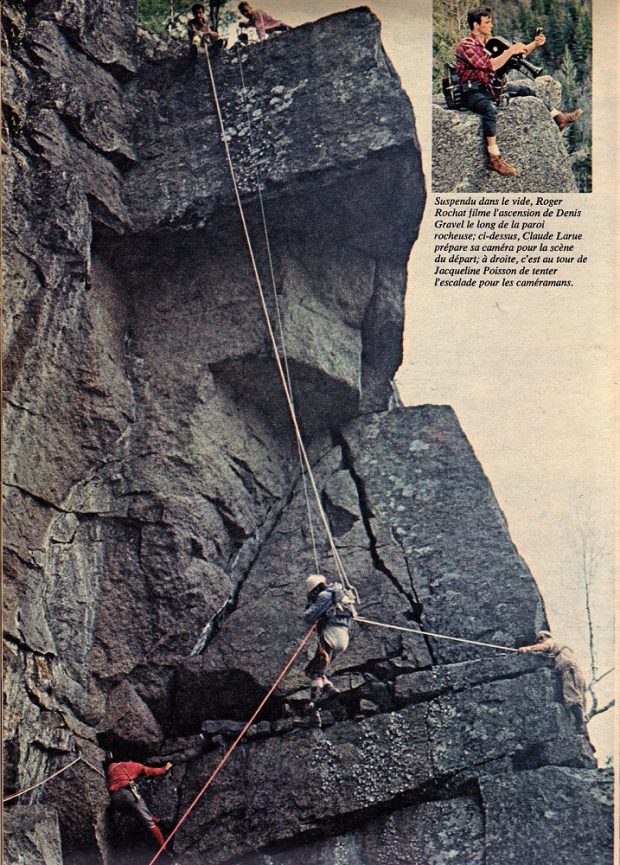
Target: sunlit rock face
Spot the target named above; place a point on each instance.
(156, 530)
(530, 141)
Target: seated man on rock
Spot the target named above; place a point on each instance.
(482, 84)
(200, 32)
(262, 22)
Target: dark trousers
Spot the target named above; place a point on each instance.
(123, 800)
(481, 102)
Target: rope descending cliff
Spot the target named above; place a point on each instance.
(284, 379)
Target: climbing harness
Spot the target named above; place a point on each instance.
(79, 759)
(272, 338)
(229, 752)
(436, 636)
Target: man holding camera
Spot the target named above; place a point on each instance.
(482, 85)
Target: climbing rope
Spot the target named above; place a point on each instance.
(274, 345)
(275, 298)
(436, 636)
(79, 759)
(229, 752)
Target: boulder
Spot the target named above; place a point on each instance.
(529, 140)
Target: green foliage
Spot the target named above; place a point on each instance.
(153, 15)
(449, 26)
(566, 55)
(169, 17)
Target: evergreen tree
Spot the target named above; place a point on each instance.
(567, 55)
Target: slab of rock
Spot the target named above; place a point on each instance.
(434, 519)
(431, 831)
(568, 814)
(529, 140)
(31, 836)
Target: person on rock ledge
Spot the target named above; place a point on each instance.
(200, 32)
(482, 86)
(333, 609)
(124, 795)
(573, 680)
(261, 21)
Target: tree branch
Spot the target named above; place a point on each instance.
(600, 678)
(593, 713)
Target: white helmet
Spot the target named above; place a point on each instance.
(544, 634)
(313, 581)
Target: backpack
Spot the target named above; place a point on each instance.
(451, 86)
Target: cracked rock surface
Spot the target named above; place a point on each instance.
(156, 530)
(543, 163)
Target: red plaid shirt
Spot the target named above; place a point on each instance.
(474, 64)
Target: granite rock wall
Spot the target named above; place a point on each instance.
(156, 530)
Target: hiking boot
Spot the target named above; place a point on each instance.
(499, 164)
(329, 689)
(563, 120)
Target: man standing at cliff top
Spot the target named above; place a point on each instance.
(261, 21)
(573, 681)
(482, 87)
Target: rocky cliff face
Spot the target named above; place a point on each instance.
(529, 139)
(155, 521)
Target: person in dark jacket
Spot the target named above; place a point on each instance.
(333, 609)
(124, 795)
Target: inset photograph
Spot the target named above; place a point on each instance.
(512, 96)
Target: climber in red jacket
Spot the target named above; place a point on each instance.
(124, 795)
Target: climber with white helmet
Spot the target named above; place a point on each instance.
(332, 609)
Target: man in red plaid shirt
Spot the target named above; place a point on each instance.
(482, 88)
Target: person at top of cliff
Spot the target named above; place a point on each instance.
(482, 85)
(573, 681)
(262, 22)
(124, 795)
(333, 610)
(200, 32)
